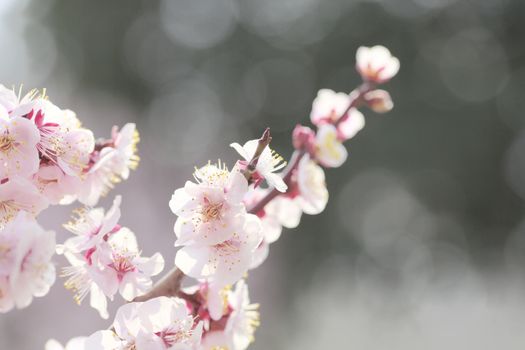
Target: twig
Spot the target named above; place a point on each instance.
(264, 141)
(168, 286)
(356, 99)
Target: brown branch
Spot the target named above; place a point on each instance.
(264, 141)
(356, 99)
(168, 286)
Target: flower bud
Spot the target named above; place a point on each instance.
(379, 101)
(303, 137)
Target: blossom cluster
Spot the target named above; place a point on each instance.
(160, 323)
(47, 158)
(105, 259)
(226, 220)
(200, 319)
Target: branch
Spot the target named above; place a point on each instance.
(264, 141)
(168, 286)
(356, 97)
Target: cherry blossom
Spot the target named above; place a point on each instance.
(376, 64)
(268, 163)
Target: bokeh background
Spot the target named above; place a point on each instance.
(422, 244)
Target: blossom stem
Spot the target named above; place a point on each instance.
(356, 98)
(264, 141)
(287, 178)
(168, 286)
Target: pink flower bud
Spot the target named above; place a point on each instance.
(303, 137)
(379, 101)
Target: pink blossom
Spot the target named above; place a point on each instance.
(26, 270)
(18, 151)
(18, 194)
(376, 64)
(225, 262)
(268, 163)
(211, 211)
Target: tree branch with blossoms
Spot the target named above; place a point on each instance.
(226, 218)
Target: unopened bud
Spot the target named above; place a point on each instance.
(379, 101)
(303, 137)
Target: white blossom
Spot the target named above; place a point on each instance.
(376, 64)
(268, 163)
(26, 270)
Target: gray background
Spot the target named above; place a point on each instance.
(421, 245)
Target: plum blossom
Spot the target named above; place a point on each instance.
(125, 269)
(330, 107)
(242, 321)
(78, 343)
(110, 164)
(125, 146)
(311, 186)
(18, 151)
(105, 259)
(92, 226)
(268, 163)
(280, 212)
(379, 101)
(18, 194)
(211, 211)
(113, 266)
(329, 150)
(62, 139)
(225, 262)
(376, 64)
(99, 179)
(55, 185)
(26, 270)
(157, 324)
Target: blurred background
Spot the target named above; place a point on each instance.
(422, 245)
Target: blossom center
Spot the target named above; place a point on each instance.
(122, 264)
(211, 211)
(7, 143)
(330, 143)
(173, 335)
